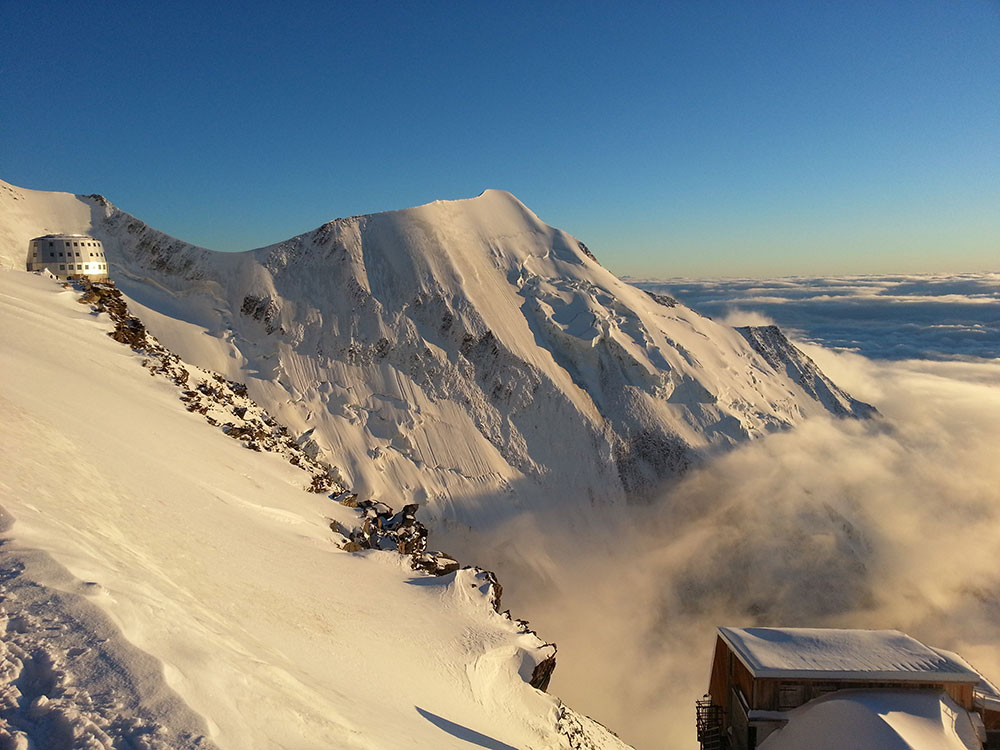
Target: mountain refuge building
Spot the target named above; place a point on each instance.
(68, 256)
(785, 688)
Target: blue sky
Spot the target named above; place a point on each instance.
(686, 138)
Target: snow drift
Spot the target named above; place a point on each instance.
(885, 719)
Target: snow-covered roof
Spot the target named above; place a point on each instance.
(823, 653)
(985, 694)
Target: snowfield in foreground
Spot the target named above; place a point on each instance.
(168, 588)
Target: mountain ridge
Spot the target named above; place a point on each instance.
(169, 586)
(437, 347)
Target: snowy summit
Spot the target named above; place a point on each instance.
(461, 360)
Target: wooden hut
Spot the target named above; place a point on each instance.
(761, 674)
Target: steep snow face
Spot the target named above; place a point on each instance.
(463, 355)
(130, 620)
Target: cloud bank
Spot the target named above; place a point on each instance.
(893, 523)
(882, 317)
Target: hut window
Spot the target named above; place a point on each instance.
(790, 695)
(50, 244)
(822, 688)
(62, 268)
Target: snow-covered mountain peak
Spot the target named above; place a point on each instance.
(461, 354)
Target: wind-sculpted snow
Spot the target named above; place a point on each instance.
(68, 679)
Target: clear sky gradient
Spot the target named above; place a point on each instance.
(676, 138)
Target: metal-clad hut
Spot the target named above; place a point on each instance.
(68, 256)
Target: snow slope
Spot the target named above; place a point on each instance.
(167, 588)
(462, 355)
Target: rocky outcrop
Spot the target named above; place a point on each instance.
(382, 528)
(542, 673)
(661, 299)
(225, 404)
(264, 309)
(771, 344)
(579, 732)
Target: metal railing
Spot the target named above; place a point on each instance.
(710, 721)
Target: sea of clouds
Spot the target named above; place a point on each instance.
(882, 317)
(888, 523)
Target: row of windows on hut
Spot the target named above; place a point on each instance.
(68, 256)
(86, 267)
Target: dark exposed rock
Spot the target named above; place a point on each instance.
(542, 672)
(243, 419)
(130, 331)
(661, 299)
(781, 354)
(347, 499)
(570, 726)
(381, 527)
(321, 483)
(99, 199)
(435, 563)
(264, 309)
(645, 459)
